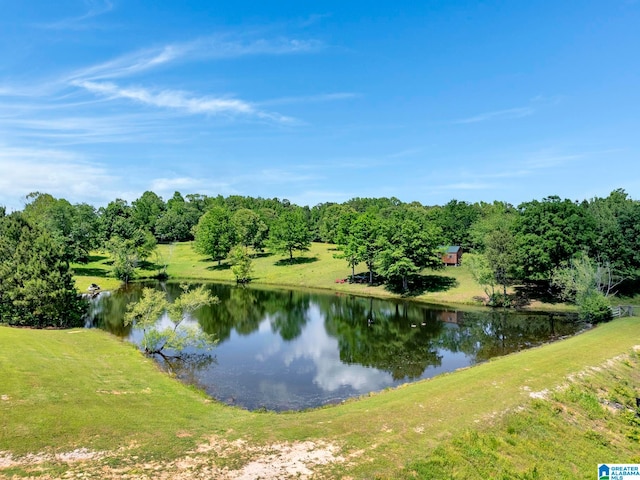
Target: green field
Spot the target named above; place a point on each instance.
(315, 269)
(107, 411)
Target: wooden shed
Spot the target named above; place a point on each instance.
(452, 255)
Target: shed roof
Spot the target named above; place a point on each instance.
(454, 249)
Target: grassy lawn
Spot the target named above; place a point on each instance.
(96, 271)
(316, 269)
(549, 412)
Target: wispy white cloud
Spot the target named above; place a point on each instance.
(549, 159)
(174, 99)
(510, 171)
(80, 117)
(409, 152)
(219, 47)
(313, 19)
(324, 97)
(48, 119)
(98, 79)
(508, 114)
(95, 8)
(206, 48)
(130, 64)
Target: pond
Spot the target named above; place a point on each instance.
(292, 350)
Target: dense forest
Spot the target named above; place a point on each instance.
(585, 250)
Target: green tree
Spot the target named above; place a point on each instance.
(147, 210)
(455, 219)
(362, 240)
(346, 241)
(128, 252)
(180, 217)
(617, 219)
(174, 225)
(501, 253)
(550, 232)
(588, 284)
(74, 227)
(290, 232)
(146, 313)
(494, 216)
(215, 234)
(393, 264)
(84, 233)
(482, 273)
(251, 231)
(36, 283)
(116, 219)
(373, 205)
(329, 222)
(241, 264)
(124, 258)
(409, 244)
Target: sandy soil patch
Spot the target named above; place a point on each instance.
(8, 460)
(288, 461)
(276, 461)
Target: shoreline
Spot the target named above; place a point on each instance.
(537, 308)
(317, 270)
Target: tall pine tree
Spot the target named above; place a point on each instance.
(36, 284)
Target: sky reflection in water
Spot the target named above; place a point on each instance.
(284, 350)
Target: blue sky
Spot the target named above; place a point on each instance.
(319, 101)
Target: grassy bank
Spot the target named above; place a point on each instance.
(316, 269)
(319, 269)
(550, 412)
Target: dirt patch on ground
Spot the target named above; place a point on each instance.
(209, 460)
(7, 460)
(288, 461)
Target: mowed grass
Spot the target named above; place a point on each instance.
(319, 269)
(63, 390)
(96, 271)
(316, 269)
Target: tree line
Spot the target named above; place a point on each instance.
(547, 241)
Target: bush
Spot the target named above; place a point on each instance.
(594, 307)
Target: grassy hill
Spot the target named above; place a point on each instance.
(81, 403)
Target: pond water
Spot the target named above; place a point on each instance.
(291, 350)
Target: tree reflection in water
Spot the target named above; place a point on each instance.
(293, 350)
(187, 366)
